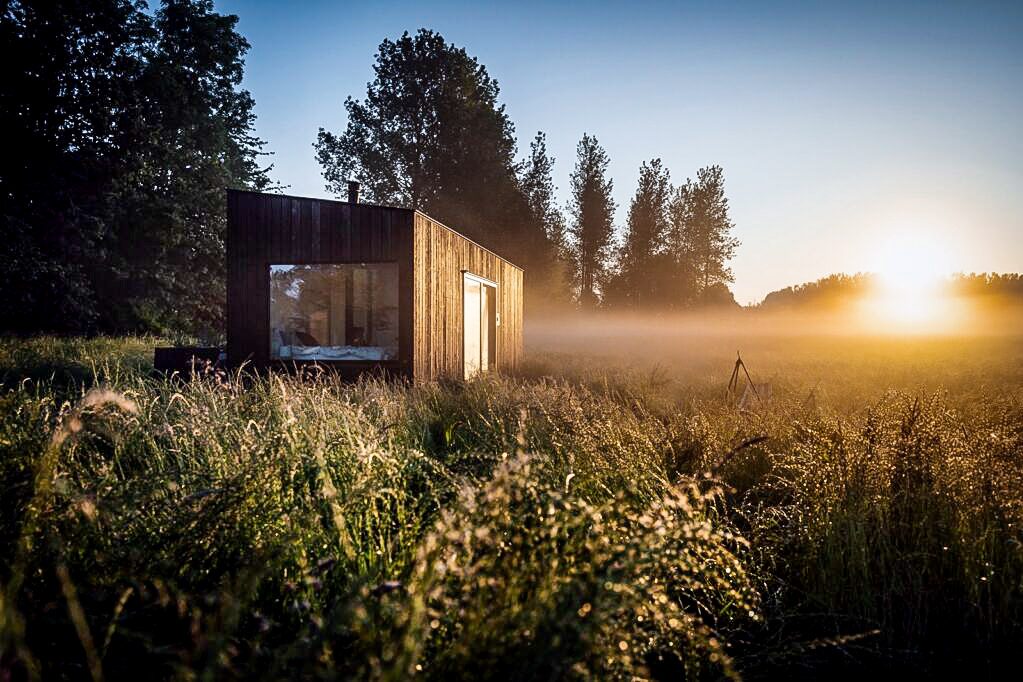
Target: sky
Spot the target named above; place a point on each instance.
(841, 128)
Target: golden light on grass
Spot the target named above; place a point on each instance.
(910, 295)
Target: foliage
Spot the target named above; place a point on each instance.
(677, 244)
(642, 259)
(828, 293)
(996, 287)
(431, 135)
(548, 282)
(615, 524)
(592, 209)
(125, 127)
(538, 184)
(429, 131)
(699, 240)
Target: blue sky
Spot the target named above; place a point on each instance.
(839, 127)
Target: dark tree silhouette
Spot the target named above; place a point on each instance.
(123, 130)
(592, 210)
(828, 293)
(429, 130)
(680, 274)
(639, 264)
(431, 134)
(710, 228)
(837, 292)
(550, 278)
(699, 241)
(63, 73)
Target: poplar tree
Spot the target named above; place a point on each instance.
(592, 210)
(646, 231)
(548, 278)
(699, 241)
(710, 229)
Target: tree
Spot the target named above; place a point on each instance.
(828, 294)
(712, 244)
(678, 276)
(66, 64)
(126, 130)
(646, 231)
(430, 135)
(548, 277)
(699, 239)
(538, 186)
(592, 210)
(168, 210)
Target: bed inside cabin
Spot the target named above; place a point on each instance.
(334, 312)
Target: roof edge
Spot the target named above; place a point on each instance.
(329, 201)
(471, 241)
(414, 211)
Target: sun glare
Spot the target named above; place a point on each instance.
(911, 270)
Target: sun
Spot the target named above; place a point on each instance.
(911, 269)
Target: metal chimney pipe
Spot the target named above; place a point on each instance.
(353, 191)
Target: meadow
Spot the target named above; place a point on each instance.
(607, 512)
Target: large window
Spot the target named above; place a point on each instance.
(334, 312)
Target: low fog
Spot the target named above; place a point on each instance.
(799, 353)
(608, 332)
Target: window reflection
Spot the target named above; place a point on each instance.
(334, 312)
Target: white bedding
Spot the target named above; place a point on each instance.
(371, 353)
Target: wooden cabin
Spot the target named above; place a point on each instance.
(359, 286)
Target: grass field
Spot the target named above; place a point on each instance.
(606, 513)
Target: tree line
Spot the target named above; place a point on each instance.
(125, 127)
(834, 293)
(430, 134)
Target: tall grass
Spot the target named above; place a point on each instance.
(602, 526)
(907, 520)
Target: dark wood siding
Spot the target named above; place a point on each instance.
(269, 228)
(264, 229)
(441, 257)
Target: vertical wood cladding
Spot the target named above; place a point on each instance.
(441, 257)
(265, 229)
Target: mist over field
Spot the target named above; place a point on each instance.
(697, 342)
(832, 361)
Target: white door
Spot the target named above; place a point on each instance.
(485, 296)
(479, 315)
(472, 316)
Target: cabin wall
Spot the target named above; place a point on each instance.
(441, 255)
(265, 229)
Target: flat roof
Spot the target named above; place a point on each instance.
(392, 208)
